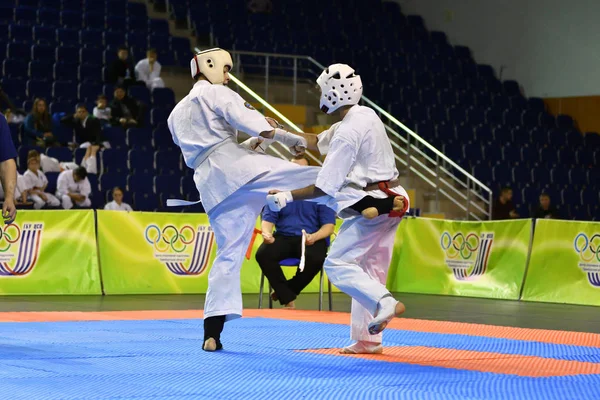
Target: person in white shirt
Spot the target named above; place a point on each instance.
(148, 71)
(117, 203)
(51, 164)
(36, 182)
(232, 180)
(359, 168)
(102, 112)
(73, 187)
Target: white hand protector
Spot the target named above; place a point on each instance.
(297, 144)
(257, 144)
(278, 201)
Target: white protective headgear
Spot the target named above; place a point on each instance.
(339, 87)
(210, 63)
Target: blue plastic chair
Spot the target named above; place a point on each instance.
(293, 262)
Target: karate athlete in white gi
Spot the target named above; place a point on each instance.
(359, 168)
(232, 180)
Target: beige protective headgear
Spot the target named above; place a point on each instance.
(211, 63)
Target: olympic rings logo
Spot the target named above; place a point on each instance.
(459, 244)
(587, 248)
(170, 237)
(9, 235)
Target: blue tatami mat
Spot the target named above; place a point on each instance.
(163, 359)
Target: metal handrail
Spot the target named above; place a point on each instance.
(441, 163)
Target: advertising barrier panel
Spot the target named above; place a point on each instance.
(49, 252)
(479, 259)
(565, 263)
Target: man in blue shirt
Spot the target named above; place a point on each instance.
(318, 221)
(8, 171)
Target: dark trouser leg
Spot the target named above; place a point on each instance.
(213, 326)
(268, 257)
(314, 258)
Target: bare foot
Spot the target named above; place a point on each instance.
(290, 306)
(210, 344)
(363, 347)
(371, 212)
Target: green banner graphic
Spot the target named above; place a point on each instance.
(479, 259)
(49, 252)
(166, 253)
(565, 263)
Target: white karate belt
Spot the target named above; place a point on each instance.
(302, 258)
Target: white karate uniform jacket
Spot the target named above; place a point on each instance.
(151, 78)
(205, 110)
(66, 184)
(113, 206)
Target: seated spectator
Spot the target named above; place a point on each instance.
(117, 203)
(121, 70)
(102, 111)
(73, 187)
(36, 183)
(148, 71)
(125, 110)
(503, 207)
(88, 129)
(21, 194)
(545, 210)
(38, 125)
(318, 221)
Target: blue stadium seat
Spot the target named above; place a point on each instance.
(585, 157)
(26, 15)
(579, 213)
(560, 175)
(140, 93)
(114, 161)
(529, 154)
(502, 175)
(521, 173)
(52, 180)
(564, 122)
(483, 173)
(94, 20)
(49, 16)
(110, 180)
(139, 138)
(568, 196)
(140, 183)
(20, 33)
(14, 68)
(7, 12)
(116, 136)
(574, 138)
(163, 98)
(158, 115)
(42, 89)
(89, 90)
(530, 195)
(549, 156)
(594, 176)
(578, 176)
(512, 118)
(473, 151)
(167, 161)
(67, 37)
(540, 175)
(166, 184)
(566, 157)
(137, 39)
(64, 90)
(592, 140)
(91, 56)
(60, 107)
(590, 195)
(39, 70)
(62, 154)
(43, 54)
(66, 72)
(158, 26)
(145, 201)
(493, 153)
(116, 7)
(530, 119)
(90, 73)
(536, 104)
(140, 161)
(113, 38)
(457, 115)
(511, 88)
(71, 19)
(18, 51)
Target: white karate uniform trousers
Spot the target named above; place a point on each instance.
(39, 203)
(358, 263)
(233, 221)
(67, 203)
